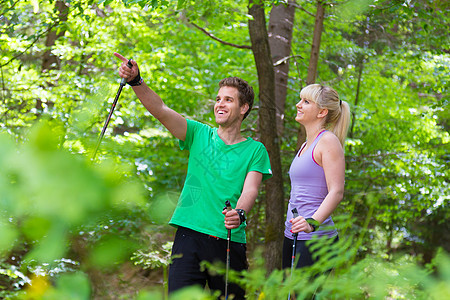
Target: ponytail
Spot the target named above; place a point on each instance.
(340, 127)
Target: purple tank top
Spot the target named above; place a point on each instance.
(308, 190)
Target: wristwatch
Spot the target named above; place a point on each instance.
(138, 80)
(314, 224)
(241, 214)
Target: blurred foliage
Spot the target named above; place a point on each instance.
(48, 196)
(65, 219)
(368, 278)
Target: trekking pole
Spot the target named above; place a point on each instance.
(122, 84)
(228, 207)
(295, 213)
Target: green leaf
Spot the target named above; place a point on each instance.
(35, 4)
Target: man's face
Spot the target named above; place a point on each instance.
(227, 110)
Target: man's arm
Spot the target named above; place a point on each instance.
(246, 201)
(172, 120)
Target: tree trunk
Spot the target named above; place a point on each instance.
(49, 61)
(313, 60)
(267, 120)
(281, 25)
(358, 88)
(315, 47)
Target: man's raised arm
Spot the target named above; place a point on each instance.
(172, 120)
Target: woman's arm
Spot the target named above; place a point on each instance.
(330, 156)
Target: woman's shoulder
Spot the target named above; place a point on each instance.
(328, 149)
(329, 141)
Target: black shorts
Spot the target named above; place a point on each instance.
(195, 247)
(304, 256)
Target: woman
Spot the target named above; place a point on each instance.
(317, 172)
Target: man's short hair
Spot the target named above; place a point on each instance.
(245, 91)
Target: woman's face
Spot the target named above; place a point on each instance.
(307, 111)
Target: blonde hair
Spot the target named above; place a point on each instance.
(338, 117)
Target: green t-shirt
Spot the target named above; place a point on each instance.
(216, 173)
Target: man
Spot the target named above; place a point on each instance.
(223, 165)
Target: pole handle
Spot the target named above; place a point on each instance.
(295, 215)
(124, 80)
(295, 212)
(228, 205)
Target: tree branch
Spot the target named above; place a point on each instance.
(55, 23)
(284, 59)
(219, 40)
(7, 9)
(26, 49)
(303, 9)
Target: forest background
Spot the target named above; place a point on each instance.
(76, 228)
